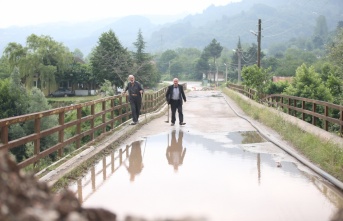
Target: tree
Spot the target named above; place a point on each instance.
(110, 60)
(37, 103)
(214, 50)
(333, 79)
(335, 53)
(292, 59)
(202, 66)
(144, 68)
(257, 78)
(320, 32)
(42, 58)
(78, 54)
(165, 60)
(18, 93)
(4, 68)
(13, 96)
(7, 105)
(107, 88)
(308, 84)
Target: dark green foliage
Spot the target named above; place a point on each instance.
(110, 60)
(41, 58)
(17, 131)
(277, 87)
(7, 105)
(144, 70)
(308, 84)
(256, 78)
(4, 68)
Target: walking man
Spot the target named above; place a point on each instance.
(135, 97)
(174, 96)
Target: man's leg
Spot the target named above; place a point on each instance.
(138, 107)
(173, 106)
(179, 109)
(134, 111)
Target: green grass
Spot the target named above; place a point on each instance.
(326, 155)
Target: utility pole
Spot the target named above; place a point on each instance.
(259, 44)
(216, 74)
(239, 65)
(225, 73)
(258, 34)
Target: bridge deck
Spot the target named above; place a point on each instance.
(227, 172)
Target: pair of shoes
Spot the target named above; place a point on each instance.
(182, 123)
(172, 124)
(133, 123)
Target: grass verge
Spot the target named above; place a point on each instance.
(325, 154)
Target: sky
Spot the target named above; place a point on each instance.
(32, 12)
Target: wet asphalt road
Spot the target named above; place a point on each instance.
(216, 167)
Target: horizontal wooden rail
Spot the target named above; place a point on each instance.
(306, 109)
(114, 110)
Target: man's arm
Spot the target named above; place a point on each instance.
(126, 88)
(183, 94)
(141, 90)
(168, 95)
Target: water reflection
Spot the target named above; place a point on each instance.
(218, 182)
(135, 160)
(245, 137)
(175, 152)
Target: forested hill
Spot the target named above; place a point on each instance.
(282, 20)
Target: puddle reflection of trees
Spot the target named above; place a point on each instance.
(251, 137)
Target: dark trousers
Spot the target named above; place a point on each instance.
(176, 104)
(135, 103)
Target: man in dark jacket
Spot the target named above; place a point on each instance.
(135, 97)
(174, 96)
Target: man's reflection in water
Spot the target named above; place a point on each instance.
(175, 152)
(135, 160)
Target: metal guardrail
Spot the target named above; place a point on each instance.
(113, 112)
(319, 113)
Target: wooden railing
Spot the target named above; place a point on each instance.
(250, 93)
(113, 112)
(319, 113)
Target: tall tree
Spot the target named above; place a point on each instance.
(144, 68)
(110, 60)
(320, 32)
(214, 49)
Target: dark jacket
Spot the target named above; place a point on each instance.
(169, 93)
(134, 89)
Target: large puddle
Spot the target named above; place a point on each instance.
(215, 177)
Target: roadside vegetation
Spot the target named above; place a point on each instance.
(325, 154)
